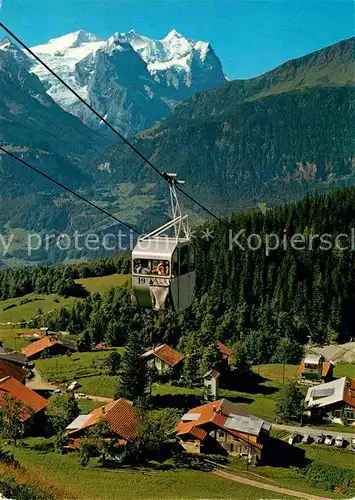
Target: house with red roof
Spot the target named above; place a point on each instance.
(222, 427)
(50, 344)
(121, 417)
(163, 358)
(33, 403)
(315, 368)
(225, 351)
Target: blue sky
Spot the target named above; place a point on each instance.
(249, 36)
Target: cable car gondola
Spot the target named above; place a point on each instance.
(163, 266)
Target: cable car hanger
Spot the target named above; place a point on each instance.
(178, 222)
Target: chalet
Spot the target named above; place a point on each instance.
(120, 415)
(333, 401)
(9, 369)
(315, 369)
(12, 364)
(13, 357)
(52, 345)
(225, 351)
(222, 427)
(164, 358)
(33, 403)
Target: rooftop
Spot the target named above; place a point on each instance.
(120, 415)
(326, 365)
(26, 396)
(166, 354)
(9, 369)
(38, 346)
(12, 356)
(212, 374)
(225, 351)
(342, 389)
(223, 414)
(313, 359)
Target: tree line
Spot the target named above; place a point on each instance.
(57, 279)
(269, 305)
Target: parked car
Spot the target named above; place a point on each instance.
(339, 442)
(352, 443)
(73, 385)
(294, 438)
(319, 439)
(306, 439)
(329, 440)
(80, 395)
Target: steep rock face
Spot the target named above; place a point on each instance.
(132, 79)
(121, 88)
(35, 127)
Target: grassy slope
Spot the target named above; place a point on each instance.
(290, 478)
(345, 370)
(65, 368)
(104, 283)
(94, 483)
(29, 310)
(260, 401)
(51, 302)
(11, 337)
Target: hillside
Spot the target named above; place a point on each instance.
(270, 139)
(271, 301)
(333, 66)
(272, 150)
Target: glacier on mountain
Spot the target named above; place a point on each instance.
(132, 79)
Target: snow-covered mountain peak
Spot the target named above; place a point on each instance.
(116, 44)
(66, 42)
(203, 48)
(5, 44)
(129, 74)
(172, 34)
(8, 46)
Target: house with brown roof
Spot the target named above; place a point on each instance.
(225, 351)
(14, 370)
(163, 358)
(50, 344)
(222, 427)
(333, 401)
(315, 368)
(13, 357)
(121, 417)
(33, 403)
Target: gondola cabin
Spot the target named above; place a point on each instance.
(163, 273)
(163, 266)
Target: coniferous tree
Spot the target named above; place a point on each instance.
(133, 380)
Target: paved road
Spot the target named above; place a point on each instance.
(313, 432)
(265, 486)
(100, 399)
(37, 383)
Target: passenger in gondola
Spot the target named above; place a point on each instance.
(145, 267)
(161, 268)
